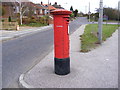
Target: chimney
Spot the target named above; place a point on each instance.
(41, 3)
(55, 3)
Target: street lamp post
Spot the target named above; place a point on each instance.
(89, 12)
(118, 13)
(85, 9)
(100, 22)
(48, 13)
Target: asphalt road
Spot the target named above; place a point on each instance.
(21, 54)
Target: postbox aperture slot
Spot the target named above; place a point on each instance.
(67, 20)
(66, 17)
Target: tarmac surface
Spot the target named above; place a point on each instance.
(95, 69)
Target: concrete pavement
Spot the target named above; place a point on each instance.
(95, 69)
(9, 34)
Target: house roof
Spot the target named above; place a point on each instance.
(57, 6)
(49, 7)
(7, 3)
(15, 0)
(40, 6)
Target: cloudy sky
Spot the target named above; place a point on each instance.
(81, 5)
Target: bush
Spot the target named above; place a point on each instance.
(9, 19)
(36, 24)
(33, 21)
(46, 17)
(72, 15)
(3, 20)
(29, 20)
(32, 17)
(25, 21)
(43, 20)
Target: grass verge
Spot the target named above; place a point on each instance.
(89, 39)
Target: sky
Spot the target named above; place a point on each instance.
(81, 5)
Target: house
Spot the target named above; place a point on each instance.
(36, 9)
(48, 7)
(29, 10)
(9, 9)
(12, 9)
(40, 10)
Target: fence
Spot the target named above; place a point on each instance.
(9, 26)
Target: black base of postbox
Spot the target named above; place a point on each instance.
(62, 66)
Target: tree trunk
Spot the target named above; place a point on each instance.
(20, 12)
(20, 19)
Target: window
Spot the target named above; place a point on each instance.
(40, 11)
(35, 11)
(16, 9)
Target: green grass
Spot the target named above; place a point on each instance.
(34, 24)
(89, 39)
(114, 21)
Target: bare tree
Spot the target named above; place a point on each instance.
(23, 6)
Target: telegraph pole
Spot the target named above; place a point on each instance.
(48, 8)
(85, 9)
(48, 12)
(118, 13)
(89, 12)
(100, 22)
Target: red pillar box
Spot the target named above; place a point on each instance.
(61, 41)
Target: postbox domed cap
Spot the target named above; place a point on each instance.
(61, 11)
